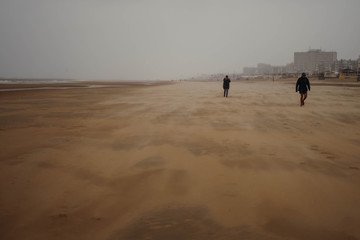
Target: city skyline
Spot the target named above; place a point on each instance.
(311, 61)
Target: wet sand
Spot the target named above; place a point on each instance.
(180, 161)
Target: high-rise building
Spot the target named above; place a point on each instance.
(314, 61)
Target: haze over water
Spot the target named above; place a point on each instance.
(150, 40)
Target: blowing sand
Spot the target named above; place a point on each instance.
(180, 161)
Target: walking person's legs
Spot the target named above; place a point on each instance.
(227, 92)
(305, 96)
(302, 99)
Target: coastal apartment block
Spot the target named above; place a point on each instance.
(315, 61)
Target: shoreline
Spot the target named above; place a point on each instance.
(92, 84)
(74, 85)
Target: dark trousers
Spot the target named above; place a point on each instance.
(226, 91)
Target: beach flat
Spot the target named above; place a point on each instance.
(177, 160)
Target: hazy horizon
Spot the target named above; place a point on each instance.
(164, 40)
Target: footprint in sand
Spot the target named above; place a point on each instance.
(328, 155)
(354, 168)
(314, 147)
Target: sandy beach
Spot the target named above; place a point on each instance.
(177, 160)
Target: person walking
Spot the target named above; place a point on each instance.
(302, 85)
(226, 85)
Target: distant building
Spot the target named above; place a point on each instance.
(264, 69)
(346, 64)
(249, 71)
(278, 70)
(290, 68)
(314, 61)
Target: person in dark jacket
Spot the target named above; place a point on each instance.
(226, 85)
(302, 85)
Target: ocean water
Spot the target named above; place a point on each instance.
(46, 81)
(53, 81)
(44, 88)
(62, 81)
(37, 81)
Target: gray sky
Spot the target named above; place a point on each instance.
(164, 39)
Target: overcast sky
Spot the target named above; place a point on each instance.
(165, 39)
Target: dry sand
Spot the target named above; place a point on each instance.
(179, 161)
